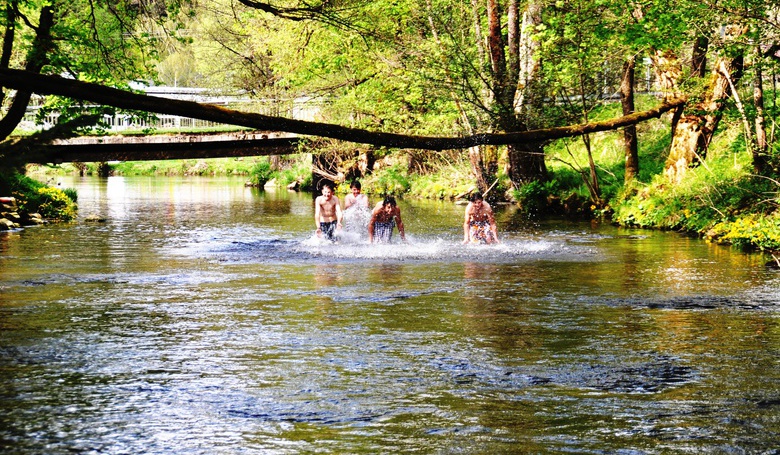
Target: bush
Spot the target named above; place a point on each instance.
(299, 171)
(390, 180)
(33, 196)
(749, 232)
(55, 204)
(261, 173)
(532, 197)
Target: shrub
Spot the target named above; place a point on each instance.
(33, 196)
(55, 204)
(532, 197)
(390, 180)
(261, 173)
(749, 232)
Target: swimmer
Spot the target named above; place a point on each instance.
(385, 217)
(355, 198)
(479, 225)
(327, 213)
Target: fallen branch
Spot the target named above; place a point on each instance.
(54, 85)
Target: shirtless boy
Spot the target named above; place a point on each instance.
(479, 225)
(385, 217)
(355, 198)
(327, 213)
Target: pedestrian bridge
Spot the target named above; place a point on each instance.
(89, 149)
(131, 139)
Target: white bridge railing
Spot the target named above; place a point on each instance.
(303, 108)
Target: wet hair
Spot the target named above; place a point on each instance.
(327, 185)
(355, 184)
(388, 200)
(475, 196)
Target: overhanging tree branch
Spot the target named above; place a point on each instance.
(54, 85)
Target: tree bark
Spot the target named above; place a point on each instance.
(526, 159)
(699, 57)
(36, 59)
(526, 162)
(629, 133)
(760, 158)
(54, 85)
(497, 56)
(695, 129)
(478, 168)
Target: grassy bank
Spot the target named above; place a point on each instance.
(215, 166)
(720, 199)
(32, 196)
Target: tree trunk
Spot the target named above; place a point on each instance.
(593, 179)
(760, 158)
(526, 162)
(695, 130)
(11, 12)
(629, 133)
(699, 57)
(478, 168)
(526, 159)
(36, 59)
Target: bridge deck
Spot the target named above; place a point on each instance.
(170, 147)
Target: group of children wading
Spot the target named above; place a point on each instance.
(479, 225)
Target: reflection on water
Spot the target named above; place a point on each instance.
(203, 317)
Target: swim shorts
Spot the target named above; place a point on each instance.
(383, 231)
(328, 229)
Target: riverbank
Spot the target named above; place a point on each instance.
(26, 201)
(719, 200)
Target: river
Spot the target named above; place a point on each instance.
(202, 318)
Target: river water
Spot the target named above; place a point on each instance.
(203, 318)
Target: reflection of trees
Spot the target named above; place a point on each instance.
(390, 274)
(277, 206)
(502, 313)
(326, 275)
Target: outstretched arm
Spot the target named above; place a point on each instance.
(466, 234)
(492, 222)
(400, 224)
(317, 215)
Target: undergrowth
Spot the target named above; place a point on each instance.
(32, 196)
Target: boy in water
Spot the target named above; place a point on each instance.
(385, 217)
(327, 213)
(479, 225)
(356, 211)
(355, 198)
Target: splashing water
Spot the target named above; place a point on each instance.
(241, 245)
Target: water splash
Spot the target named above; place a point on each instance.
(261, 245)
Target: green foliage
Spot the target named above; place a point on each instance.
(299, 171)
(389, 180)
(261, 173)
(532, 196)
(721, 191)
(749, 232)
(54, 204)
(214, 166)
(35, 197)
(444, 184)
